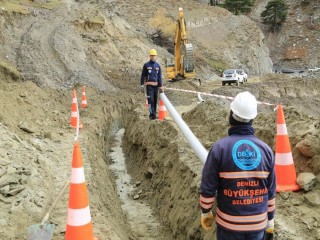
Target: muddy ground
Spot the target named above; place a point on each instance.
(154, 195)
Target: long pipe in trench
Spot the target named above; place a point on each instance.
(193, 141)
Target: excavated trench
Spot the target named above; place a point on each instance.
(158, 178)
(144, 184)
(139, 214)
(161, 199)
(155, 177)
(169, 173)
(155, 173)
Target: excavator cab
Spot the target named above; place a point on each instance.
(182, 66)
(188, 59)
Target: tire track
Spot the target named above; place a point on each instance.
(52, 54)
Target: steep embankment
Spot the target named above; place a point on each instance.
(296, 45)
(103, 45)
(221, 40)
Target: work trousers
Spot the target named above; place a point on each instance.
(152, 96)
(223, 234)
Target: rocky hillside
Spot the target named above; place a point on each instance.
(49, 47)
(229, 41)
(297, 45)
(221, 40)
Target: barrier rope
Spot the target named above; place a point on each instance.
(214, 95)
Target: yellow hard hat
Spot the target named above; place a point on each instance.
(153, 52)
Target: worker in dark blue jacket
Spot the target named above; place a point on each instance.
(239, 176)
(151, 80)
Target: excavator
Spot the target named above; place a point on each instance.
(183, 65)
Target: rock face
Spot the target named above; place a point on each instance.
(296, 45)
(233, 41)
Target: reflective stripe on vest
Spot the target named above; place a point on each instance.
(242, 219)
(242, 227)
(244, 174)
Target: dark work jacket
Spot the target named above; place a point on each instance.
(239, 174)
(151, 72)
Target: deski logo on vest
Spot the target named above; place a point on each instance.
(246, 155)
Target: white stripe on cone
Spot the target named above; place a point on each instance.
(284, 159)
(84, 102)
(79, 217)
(282, 129)
(77, 175)
(74, 114)
(74, 100)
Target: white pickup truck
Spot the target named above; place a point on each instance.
(234, 76)
(315, 69)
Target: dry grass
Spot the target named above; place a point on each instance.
(8, 69)
(13, 7)
(163, 23)
(91, 22)
(48, 4)
(21, 6)
(254, 79)
(97, 20)
(217, 65)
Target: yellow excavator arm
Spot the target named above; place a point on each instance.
(183, 66)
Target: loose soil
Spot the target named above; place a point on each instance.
(143, 184)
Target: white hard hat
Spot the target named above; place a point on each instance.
(244, 106)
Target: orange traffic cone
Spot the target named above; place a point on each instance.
(284, 166)
(84, 98)
(74, 111)
(147, 103)
(162, 111)
(79, 225)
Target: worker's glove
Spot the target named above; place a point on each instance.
(270, 226)
(142, 88)
(207, 220)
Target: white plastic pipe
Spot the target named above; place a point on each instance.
(200, 98)
(193, 141)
